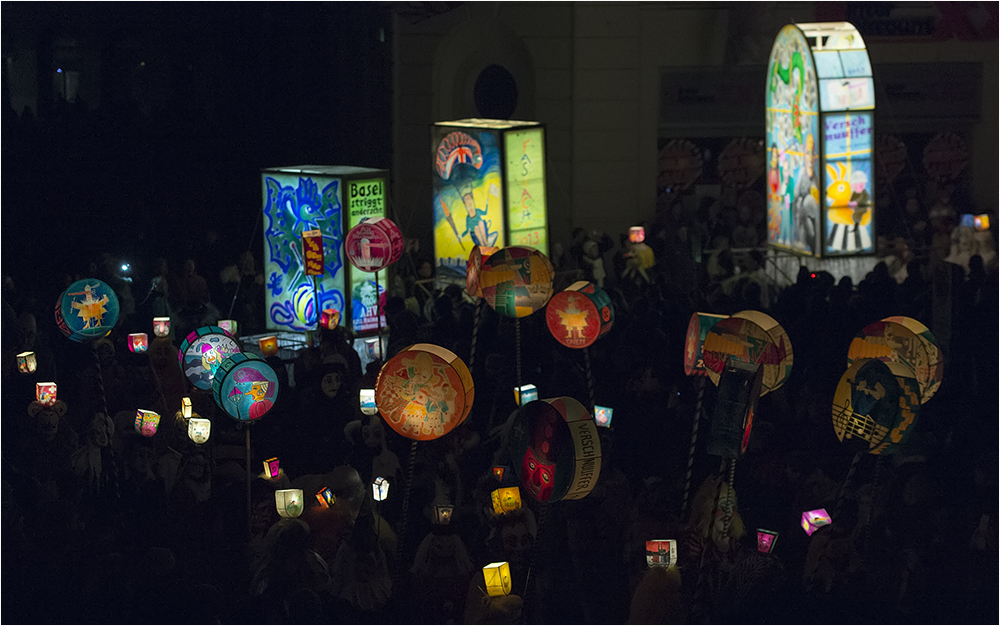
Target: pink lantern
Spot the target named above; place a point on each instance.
(329, 319)
(229, 326)
(271, 468)
(138, 342)
(637, 234)
(161, 326)
(813, 520)
(766, 540)
(146, 422)
(374, 244)
(45, 393)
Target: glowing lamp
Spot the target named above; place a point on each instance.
(269, 345)
(580, 315)
(603, 415)
(661, 552)
(380, 489)
(229, 326)
(442, 514)
(636, 234)
(199, 429)
(812, 520)
(161, 326)
(26, 362)
(766, 540)
(138, 342)
(326, 498)
(373, 244)
(186, 407)
(271, 468)
(289, 502)
(329, 319)
(499, 471)
(517, 281)
(146, 422)
(367, 398)
(506, 499)
(45, 393)
(525, 394)
(497, 577)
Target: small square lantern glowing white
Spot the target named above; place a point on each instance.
(367, 397)
(199, 429)
(45, 393)
(230, 326)
(766, 540)
(146, 422)
(138, 342)
(161, 326)
(186, 407)
(289, 502)
(268, 345)
(497, 577)
(26, 362)
(813, 520)
(326, 498)
(603, 415)
(525, 394)
(442, 514)
(380, 489)
(272, 468)
(661, 552)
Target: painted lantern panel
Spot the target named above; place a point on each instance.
(203, 351)
(245, 387)
(517, 281)
(580, 315)
(87, 310)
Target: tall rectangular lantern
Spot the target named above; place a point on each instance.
(820, 110)
(489, 190)
(331, 199)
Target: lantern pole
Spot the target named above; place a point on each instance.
(316, 300)
(847, 481)
(517, 335)
(406, 508)
(378, 316)
(475, 333)
(103, 406)
(535, 550)
(731, 496)
(694, 441)
(590, 380)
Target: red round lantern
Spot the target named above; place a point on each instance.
(374, 244)
(580, 315)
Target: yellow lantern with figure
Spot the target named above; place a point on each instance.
(268, 345)
(199, 429)
(289, 502)
(26, 362)
(506, 499)
(497, 577)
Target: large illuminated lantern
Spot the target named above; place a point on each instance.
(331, 200)
(203, 351)
(489, 190)
(245, 386)
(820, 102)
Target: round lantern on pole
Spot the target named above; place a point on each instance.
(517, 281)
(373, 244)
(877, 403)
(203, 351)
(749, 337)
(580, 315)
(245, 387)
(474, 269)
(87, 310)
(903, 340)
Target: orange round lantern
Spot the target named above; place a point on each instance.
(517, 281)
(750, 337)
(580, 315)
(903, 340)
(424, 392)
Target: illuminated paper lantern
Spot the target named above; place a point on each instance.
(138, 342)
(497, 577)
(488, 190)
(203, 351)
(161, 326)
(146, 422)
(245, 387)
(371, 348)
(373, 244)
(329, 319)
(268, 345)
(230, 326)
(26, 362)
(87, 310)
(813, 520)
(442, 514)
(661, 553)
(424, 392)
(732, 421)
(603, 415)
(380, 489)
(766, 540)
(474, 268)
(506, 499)
(272, 468)
(749, 337)
(45, 393)
(558, 449)
(517, 281)
(326, 498)
(199, 429)
(820, 101)
(636, 234)
(580, 315)
(698, 327)
(186, 410)
(499, 471)
(289, 502)
(367, 397)
(525, 394)
(904, 340)
(876, 403)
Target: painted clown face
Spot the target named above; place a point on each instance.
(539, 467)
(538, 476)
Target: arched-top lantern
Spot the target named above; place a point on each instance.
(424, 392)
(820, 101)
(517, 281)
(245, 387)
(203, 351)
(580, 315)
(87, 310)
